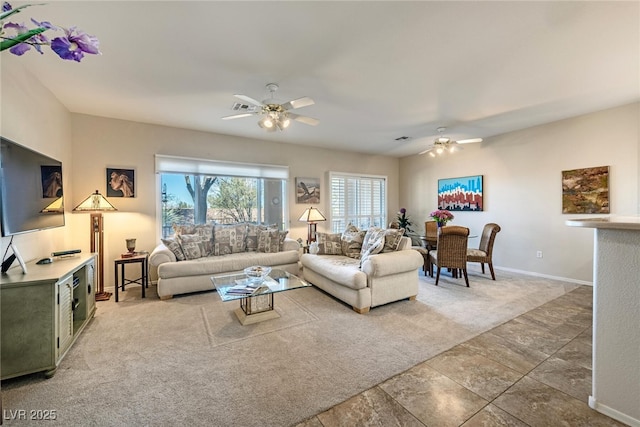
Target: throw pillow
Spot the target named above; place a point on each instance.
(174, 247)
(392, 237)
(270, 240)
(374, 246)
(205, 231)
(192, 245)
(229, 239)
(371, 236)
(252, 235)
(352, 240)
(329, 244)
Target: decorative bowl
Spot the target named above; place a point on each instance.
(257, 273)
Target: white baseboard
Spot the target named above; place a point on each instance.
(610, 412)
(546, 276)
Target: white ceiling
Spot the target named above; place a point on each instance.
(376, 70)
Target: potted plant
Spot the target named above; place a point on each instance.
(403, 220)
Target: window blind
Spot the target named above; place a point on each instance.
(357, 199)
(188, 165)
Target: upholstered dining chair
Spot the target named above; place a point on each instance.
(484, 253)
(451, 252)
(431, 234)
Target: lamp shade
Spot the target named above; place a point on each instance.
(312, 215)
(56, 206)
(94, 203)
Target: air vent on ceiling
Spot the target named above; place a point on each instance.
(244, 107)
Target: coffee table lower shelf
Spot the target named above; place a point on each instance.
(254, 309)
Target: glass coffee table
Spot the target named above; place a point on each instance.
(258, 306)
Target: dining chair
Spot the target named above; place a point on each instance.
(484, 253)
(431, 234)
(451, 252)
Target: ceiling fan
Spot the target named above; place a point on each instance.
(275, 116)
(443, 144)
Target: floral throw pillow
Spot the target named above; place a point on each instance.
(174, 246)
(192, 245)
(352, 240)
(229, 239)
(373, 244)
(329, 244)
(371, 236)
(270, 240)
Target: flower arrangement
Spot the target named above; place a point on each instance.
(441, 216)
(72, 46)
(403, 220)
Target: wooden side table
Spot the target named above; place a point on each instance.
(143, 280)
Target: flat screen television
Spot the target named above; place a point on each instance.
(31, 196)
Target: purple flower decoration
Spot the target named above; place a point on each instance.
(75, 45)
(72, 46)
(403, 220)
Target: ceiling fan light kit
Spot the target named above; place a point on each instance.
(442, 144)
(276, 116)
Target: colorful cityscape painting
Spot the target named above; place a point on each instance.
(460, 194)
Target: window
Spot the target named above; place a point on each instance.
(195, 191)
(357, 199)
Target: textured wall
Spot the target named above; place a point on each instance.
(616, 334)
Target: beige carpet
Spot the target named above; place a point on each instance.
(188, 360)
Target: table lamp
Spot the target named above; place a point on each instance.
(311, 216)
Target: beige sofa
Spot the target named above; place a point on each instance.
(179, 277)
(382, 278)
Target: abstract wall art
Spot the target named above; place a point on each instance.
(460, 194)
(585, 191)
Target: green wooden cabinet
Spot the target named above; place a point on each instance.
(43, 312)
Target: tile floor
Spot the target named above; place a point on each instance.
(534, 370)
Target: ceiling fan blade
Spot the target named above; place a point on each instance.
(298, 103)
(304, 119)
(249, 100)
(469, 141)
(237, 116)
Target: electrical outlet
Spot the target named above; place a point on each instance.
(539, 254)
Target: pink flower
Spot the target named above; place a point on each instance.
(441, 216)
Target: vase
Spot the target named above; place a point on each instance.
(131, 245)
(440, 224)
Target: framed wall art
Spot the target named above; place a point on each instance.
(585, 191)
(121, 182)
(460, 194)
(51, 177)
(307, 190)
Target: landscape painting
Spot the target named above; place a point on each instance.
(307, 190)
(460, 194)
(585, 191)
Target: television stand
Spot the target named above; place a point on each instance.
(43, 312)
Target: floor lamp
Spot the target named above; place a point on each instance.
(96, 204)
(311, 216)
